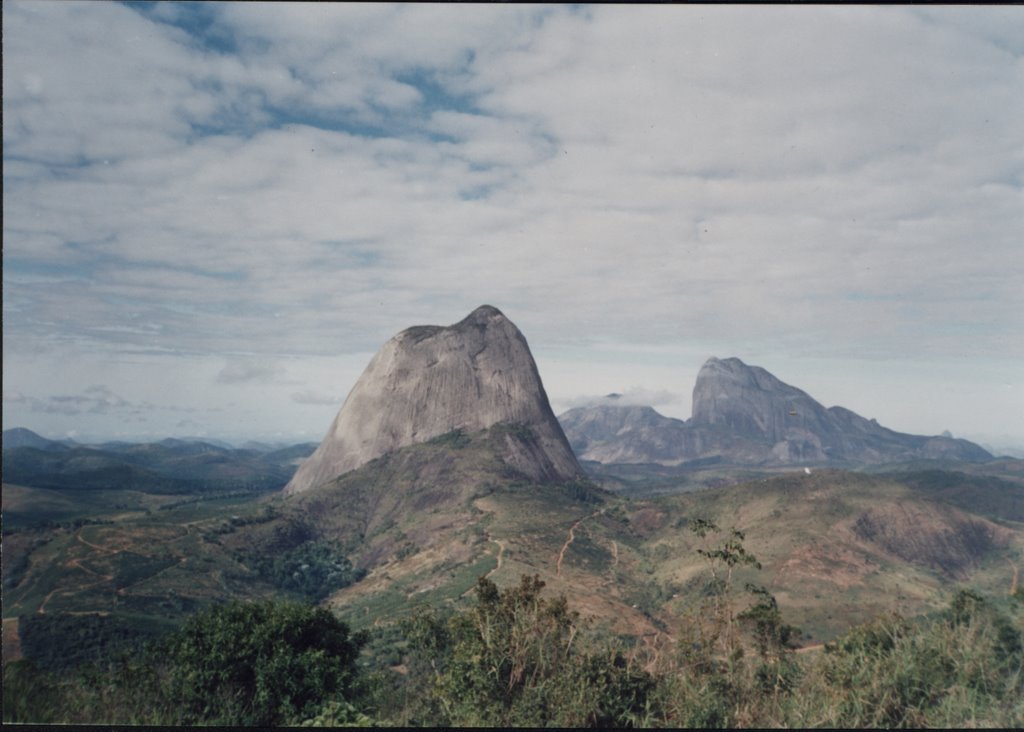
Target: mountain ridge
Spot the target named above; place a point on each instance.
(167, 466)
(747, 416)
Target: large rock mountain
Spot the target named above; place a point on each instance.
(428, 381)
(745, 415)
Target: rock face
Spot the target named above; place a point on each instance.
(751, 402)
(744, 415)
(610, 433)
(430, 380)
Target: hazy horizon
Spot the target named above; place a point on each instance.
(216, 213)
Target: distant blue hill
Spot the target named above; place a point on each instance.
(168, 466)
(21, 437)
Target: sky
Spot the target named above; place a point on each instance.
(214, 214)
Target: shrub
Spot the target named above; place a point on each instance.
(456, 439)
(514, 659)
(312, 570)
(965, 668)
(265, 663)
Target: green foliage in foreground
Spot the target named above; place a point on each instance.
(59, 642)
(965, 668)
(260, 664)
(516, 658)
(263, 664)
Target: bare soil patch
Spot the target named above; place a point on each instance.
(832, 563)
(11, 641)
(938, 537)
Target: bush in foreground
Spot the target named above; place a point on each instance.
(251, 664)
(267, 663)
(517, 659)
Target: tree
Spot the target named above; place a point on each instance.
(507, 647)
(715, 681)
(723, 559)
(777, 671)
(266, 663)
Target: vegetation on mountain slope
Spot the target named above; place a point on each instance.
(312, 570)
(515, 657)
(657, 628)
(252, 664)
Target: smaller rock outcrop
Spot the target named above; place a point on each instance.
(610, 433)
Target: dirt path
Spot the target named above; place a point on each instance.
(615, 553)
(76, 563)
(97, 547)
(501, 554)
(41, 610)
(181, 561)
(809, 649)
(568, 541)
(104, 579)
(1016, 576)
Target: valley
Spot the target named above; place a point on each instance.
(837, 547)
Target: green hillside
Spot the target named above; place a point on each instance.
(90, 574)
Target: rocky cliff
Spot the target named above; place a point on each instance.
(428, 381)
(745, 415)
(611, 433)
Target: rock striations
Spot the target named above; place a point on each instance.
(744, 415)
(430, 380)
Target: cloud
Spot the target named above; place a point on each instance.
(245, 370)
(95, 400)
(316, 398)
(307, 179)
(775, 170)
(636, 397)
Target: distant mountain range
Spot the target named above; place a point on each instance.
(21, 437)
(431, 381)
(168, 466)
(744, 415)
